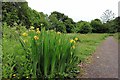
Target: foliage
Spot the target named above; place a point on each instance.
(61, 22)
(19, 13)
(51, 53)
(117, 23)
(97, 26)
(113, 25)
(33, 53)
(15, 62)
(37, 55)
(39, 52)
(83, 27)
(56, 24)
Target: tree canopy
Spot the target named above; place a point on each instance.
(20, 13)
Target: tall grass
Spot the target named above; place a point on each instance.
(117, 36)
(52, 53)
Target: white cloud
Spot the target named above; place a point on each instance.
(76, 9)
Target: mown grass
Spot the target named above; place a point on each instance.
(87, 44)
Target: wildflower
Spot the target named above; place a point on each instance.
(73, 47)
(25, 41)
(25, 34)
(27, 77)
(58, 32)
(32, 30)
(37, 29)
(31, 27)
(36, 37)
(38, 32)
(51, 30)
(41, 24)
(76, 39)
(14, 75)
(72, 41)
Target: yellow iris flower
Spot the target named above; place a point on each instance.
(25, 34)
(76, 39)
(36, 37)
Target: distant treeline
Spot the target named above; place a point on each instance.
(19, 13)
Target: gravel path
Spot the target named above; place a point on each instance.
(104, 62)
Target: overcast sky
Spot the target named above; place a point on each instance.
(76, 9)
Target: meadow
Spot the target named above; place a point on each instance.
(35, 53)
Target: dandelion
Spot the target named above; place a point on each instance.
(25, 34)
(36, 37)
(76, 39)
(58, 32)
(14, 75)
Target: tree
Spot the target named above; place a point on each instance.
(107, 16)
(21, 13)
(113, 25)
(56, 24)
(83, 27)
(117, 22)
(70, 25)
(97, 26)
(62, 22)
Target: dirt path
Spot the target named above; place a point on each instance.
(104, 62)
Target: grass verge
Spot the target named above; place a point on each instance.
(87, 44)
